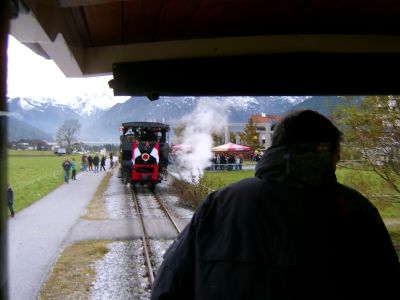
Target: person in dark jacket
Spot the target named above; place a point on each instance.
(66, 165)
(96, 161)
(292, 232)
(103, 163)
(90, 162)
(10, 200)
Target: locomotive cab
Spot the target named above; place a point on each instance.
(144, 153)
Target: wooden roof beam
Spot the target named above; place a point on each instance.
(27, 30)
(77, 3)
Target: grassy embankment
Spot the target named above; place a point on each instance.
(73, 274)
(33, 174)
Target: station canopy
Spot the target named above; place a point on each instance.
(219, 48)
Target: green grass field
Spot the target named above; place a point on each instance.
(33, 174)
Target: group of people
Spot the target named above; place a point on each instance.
(88, 163)
(226, 161)
(67, 166)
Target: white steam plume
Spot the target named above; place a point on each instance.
(209, 117)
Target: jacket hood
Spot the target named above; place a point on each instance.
(306, 164)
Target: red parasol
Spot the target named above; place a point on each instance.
(231, 147)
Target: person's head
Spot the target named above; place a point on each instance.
(307, 126)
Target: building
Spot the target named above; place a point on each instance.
(265, 125)
(27, 144)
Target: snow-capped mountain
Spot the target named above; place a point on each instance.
(86, 105)
(46, 115)
(92, 104)
(172, 109)
(101, 118)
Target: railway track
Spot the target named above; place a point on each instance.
(140, 209)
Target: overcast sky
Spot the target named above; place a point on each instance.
(30, 75)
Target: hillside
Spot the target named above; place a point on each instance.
(172, 109)
(325, 104)
(18, 129)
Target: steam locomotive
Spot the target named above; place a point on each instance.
(144, 153)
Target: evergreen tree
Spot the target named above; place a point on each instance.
(232, 137)
(249, 136)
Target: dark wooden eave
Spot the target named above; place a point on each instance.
(310, 45)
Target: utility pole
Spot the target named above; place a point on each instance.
(227, 134)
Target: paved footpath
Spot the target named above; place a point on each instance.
(37, 234)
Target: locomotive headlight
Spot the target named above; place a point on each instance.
(145, 156)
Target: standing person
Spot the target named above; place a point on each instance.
(111, 161)
(222, 162)
(103, 163)
(84, 163)
(237, 162)
(66, 165)
(90, 162)
(96, 163)
(73, 168)
(292, 232)
(10, 200)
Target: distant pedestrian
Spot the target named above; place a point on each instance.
(111, 161)
(90, 161)
(66, 165)
(103, 163)
(73, 168)
(10, 198)
(84, 163)
(96, 163)
(237, 162)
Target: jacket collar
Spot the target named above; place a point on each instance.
(305, 164)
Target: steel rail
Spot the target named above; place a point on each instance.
(166, 211)
(145, 239)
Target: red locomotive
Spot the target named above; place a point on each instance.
(144, 153)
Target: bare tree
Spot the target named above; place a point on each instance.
(372, 133)
(67, 133)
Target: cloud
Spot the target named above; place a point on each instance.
(30, 75)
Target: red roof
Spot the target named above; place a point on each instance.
(264, 118)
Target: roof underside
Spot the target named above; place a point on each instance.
(145, 125)
(96, 37)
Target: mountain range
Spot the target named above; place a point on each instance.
(40, 119)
